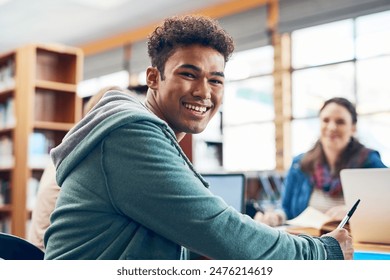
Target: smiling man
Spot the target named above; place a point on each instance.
(190, 91)
(127, 189)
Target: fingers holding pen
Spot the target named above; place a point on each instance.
(345, 241)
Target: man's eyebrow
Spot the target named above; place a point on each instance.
(217, 73)
(197, 69)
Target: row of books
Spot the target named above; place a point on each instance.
(6, 152)
(32, 191)
(5, 192)
(7, 113)
(40, 145)
(7, 74)
(5, 225)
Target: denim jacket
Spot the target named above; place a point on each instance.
(298, 186)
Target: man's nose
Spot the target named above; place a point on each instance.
(203, 90)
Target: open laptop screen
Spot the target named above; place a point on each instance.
(370, 222)
(229, 186)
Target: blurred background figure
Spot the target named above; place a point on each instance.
(314, 177)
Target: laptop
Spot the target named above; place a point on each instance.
(371, 221)
(230, 187)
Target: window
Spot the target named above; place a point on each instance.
(373, 35)
(248, 112)
(349, 58)
(323, 44)
(91, 86)
(373, 87)
(312, 86)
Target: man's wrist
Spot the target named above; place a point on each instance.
(332, 248)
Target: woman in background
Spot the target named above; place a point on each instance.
(314, 177)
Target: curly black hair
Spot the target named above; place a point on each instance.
(178, 31)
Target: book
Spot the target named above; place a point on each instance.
(313, 222)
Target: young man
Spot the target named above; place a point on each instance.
(128, 190)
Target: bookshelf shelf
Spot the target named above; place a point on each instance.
(7, 91)
(38, 105)
(50, 85)
(5, 169)
(6, 130)
(5, 208)
(56, 126)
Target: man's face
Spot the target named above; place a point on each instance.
(192, 90)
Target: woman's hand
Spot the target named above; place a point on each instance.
(270, 218)
(337, 212)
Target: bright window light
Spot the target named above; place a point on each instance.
(91, 86)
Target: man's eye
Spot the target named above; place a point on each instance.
(189, 75)
(218, 82)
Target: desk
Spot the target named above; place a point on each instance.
(363, 251)
(373, 247)
(366, 255)
(371, 251)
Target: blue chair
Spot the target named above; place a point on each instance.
(15, 248)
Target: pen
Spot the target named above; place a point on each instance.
(349, 215)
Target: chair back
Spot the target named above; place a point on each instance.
(15, 248)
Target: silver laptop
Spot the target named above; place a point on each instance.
(371, 221)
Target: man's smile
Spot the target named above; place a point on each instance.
(197, 107)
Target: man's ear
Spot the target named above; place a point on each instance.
(152, 77)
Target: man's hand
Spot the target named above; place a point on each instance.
(345, 241)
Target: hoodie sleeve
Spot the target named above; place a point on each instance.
(149, 181)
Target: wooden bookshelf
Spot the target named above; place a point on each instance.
(38, 94)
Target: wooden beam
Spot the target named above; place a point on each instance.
(131, 36)
(231, 8)
(273, 15)
(282, 100)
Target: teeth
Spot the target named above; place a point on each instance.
(196, 108)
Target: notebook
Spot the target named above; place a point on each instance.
(230, 187)
(371, 221)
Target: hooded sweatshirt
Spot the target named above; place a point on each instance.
(129, 192)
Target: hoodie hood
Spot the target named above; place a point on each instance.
(113, 110)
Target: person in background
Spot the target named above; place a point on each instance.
(48, 189)
(314, 177)
(128, 191)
